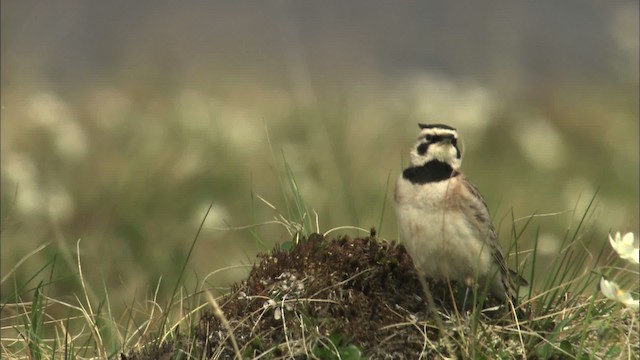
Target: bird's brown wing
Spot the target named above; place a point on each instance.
(482, 221)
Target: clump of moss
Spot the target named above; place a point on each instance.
(356, 295)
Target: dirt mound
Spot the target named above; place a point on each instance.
(324, 298)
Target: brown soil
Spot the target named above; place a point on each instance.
(324, 297)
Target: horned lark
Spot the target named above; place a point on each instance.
(444, 221)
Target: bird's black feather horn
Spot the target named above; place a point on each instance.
(439, 126)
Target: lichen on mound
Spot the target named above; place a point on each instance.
(323, 298)
(348, 288)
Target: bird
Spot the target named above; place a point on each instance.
(444, 221)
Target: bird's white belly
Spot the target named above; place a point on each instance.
(442, 244)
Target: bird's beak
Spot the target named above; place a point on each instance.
(447, 139)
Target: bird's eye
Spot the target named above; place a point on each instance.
(428, 137)
(422, 148)
(454, 142)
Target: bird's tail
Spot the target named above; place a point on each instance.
(512, 281)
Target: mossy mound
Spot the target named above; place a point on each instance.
(325, 298)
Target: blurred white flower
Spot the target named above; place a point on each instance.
(29, 199)
(216, 216)
(541, 142)
(612, 291)
(19, 168)
(623, 245)
(242, 131)
(548, 244)
(22, 172)
(50, 112)
(61, 206)
(71, 140)
(47, 110)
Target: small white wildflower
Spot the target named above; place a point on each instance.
(277, 314)
(284, 275)
(623, 245)
(612, 291)
(269, 304)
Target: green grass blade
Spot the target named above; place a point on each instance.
(165, 316)
(384, 202)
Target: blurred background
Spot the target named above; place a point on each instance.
(123, 121)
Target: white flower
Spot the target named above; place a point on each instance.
(612, 291)
(623, 245)
(269, 304)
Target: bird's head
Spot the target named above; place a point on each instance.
(437, 142)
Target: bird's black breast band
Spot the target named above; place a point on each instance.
(433, 171)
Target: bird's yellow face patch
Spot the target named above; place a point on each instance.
(436, 144)
(443, 151)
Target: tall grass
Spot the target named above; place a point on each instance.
(566, 316)
(135, 185)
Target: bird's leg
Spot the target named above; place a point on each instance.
(464, 302)
(469, 282)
